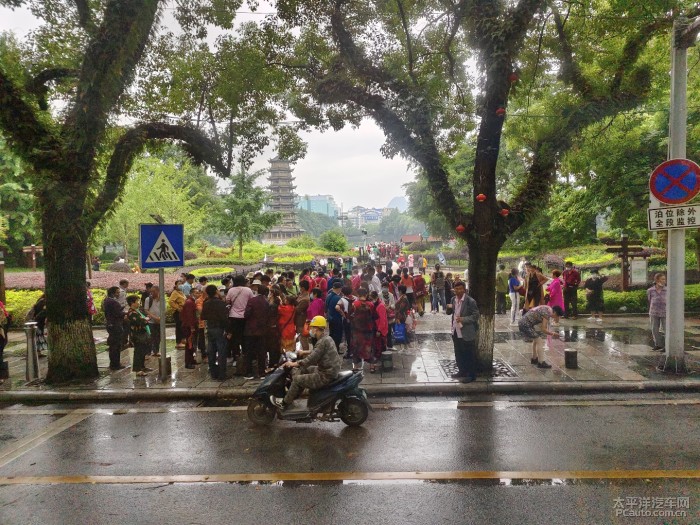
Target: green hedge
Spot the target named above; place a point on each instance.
(635, 301)
(19, 302)
(213, 270)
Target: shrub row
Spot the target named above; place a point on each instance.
(19, 302)
(635, 301)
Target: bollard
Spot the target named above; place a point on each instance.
(570, 358)
(164, 375)
(32, 369)
(387, 361)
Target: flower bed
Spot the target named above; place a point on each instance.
(137, 281)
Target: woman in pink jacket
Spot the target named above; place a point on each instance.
(555, 291)
(317, 306)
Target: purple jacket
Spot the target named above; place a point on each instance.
(257, 312)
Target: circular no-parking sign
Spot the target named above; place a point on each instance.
(675, 181)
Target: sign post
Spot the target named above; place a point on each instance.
(682, 186)
(625, 250)
(33, 250)
(162, 246)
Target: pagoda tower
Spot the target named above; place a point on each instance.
(283, 200)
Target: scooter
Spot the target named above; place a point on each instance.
(342, 399)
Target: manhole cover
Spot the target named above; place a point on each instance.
(500, 368)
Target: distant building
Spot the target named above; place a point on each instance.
(283, 201)
(323, 204)
(360, 216)
(410, 239)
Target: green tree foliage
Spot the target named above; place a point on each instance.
(17, 203)
(396, 224)
(155, 187)
(333, 241)
(241, 213)
(315, 224)
(306, 241)
(222, 87)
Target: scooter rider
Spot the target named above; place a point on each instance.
(324, 356)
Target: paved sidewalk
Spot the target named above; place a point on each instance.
(614, 355)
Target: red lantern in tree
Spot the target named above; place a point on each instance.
(481, 197)
(460, 228)
(501, 111)
(513, 77)
(504, 212)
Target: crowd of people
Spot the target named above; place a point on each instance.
(251, 319)
(539, 302)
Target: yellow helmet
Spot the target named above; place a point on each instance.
(319, 322)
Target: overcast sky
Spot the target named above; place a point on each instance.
(346, 164)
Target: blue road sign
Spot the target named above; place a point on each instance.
(675, 181)
(161, 245)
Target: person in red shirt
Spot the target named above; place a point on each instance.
(572, 279)
(382, 326)
(321, 283)
(363, 325)
(419, 292)
(285, 323)
(356, 280)
(190, 324)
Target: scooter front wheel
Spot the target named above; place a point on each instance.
(260, 413)
(353, 412)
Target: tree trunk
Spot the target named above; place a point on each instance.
(696, 238)
(482, 285)
(72, 352)
(240, 248)
(488, 233)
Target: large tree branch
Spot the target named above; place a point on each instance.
(409, 43)
(30, 139)
(414, 138)
(634, 46)
(520, 18)
(356, 60)
(85, 16)
(536, 188)
(106, 71)
(197, 145)
(458, 15)
(38, 87)
(422, 149)
(570, 73)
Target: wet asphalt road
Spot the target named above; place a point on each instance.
(523, 436)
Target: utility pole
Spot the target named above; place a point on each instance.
(684, 35)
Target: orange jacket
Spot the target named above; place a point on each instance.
(285, 321)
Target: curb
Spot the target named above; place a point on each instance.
(418, 389)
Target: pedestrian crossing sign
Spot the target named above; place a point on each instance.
(161, 245)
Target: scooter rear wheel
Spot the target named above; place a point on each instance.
(353, 412)
(260, 413)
